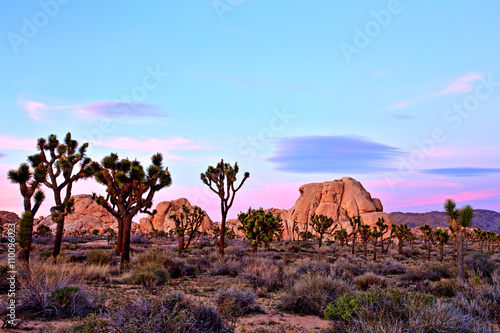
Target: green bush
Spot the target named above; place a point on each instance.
(343, 308)
(97, 257)
(149, 275)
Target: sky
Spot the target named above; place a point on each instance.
(403, 96)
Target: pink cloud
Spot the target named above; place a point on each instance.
(34, 108)
(399, 105)
(13, 143)
(461, 85)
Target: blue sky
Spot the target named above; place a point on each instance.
(401, 95)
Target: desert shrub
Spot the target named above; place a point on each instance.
(149, 275)
(263, 274)
(54, 291)
(389, 267)
(226, 266)
(277, 329)
(308, 266)
(445, 287)
(343, 308)
(312, 293)
(235, 303)
(480, 263)
(485, 297)
(368, 280)
(97, 257)
(352, 266)
(432, 272)
(43, 240)
(306, 245)
(169, 313)
(138, 239)
(176, 267)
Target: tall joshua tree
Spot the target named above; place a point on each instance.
(428, 233)
(450, 210)
(321, 224)
(382, 228)
(260, 226)
(29, 183)
(221, 180)
(402, 233)
(130, 190)
(188, 221)
(464, 221)
(60, 160)
(365, 232)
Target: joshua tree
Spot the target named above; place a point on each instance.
(464, 221)
(365, 233)
(60, 159)
(305, 235)
(341, 235)
(221, 180)
(382, 228)
(450, 210)
(428, 233)
(321, 224)
(130, 190)
(43, 230)
(355, 222)
(402, 233)
(29, 183)
(442, 236)
(187, 221)
(376, 234)
(260, 226)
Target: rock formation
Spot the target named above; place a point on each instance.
(162, 221)
(87, 216)
(8, 217)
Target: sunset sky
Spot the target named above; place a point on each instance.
(403, 96)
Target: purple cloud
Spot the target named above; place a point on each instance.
(333, 154)
(462, 171)
(2, 155)
(123, 109)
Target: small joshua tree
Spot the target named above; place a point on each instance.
(29, 183)
(355, 222)
(130, 190)
(342, 236)
(464, 221)
(260, 226)
(365, 233)
(375, 235)
(442, 236)
(450, 210)
(383, 228)
(321, 224)
(402, 233)
(221, 180)
(60, 160)
(428, 233)
(188, 222)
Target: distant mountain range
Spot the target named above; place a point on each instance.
(484, 219)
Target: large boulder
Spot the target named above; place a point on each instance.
(8, 217)
(87, 216)
(162, 221)
(338, 199)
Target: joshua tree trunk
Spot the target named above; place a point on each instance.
(365, 249)
(24, 236)
(222, 230)
(429, 250)
(461, 254)
(59, 234)
(127, 224)
(375, 250)
(320, 241)
(441, 252)
(119, 242)
(400, 246)
(181, 243)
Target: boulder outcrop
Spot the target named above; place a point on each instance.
(162, 221)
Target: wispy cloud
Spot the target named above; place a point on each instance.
(333, 154)
(151, 144)
(462, 171)
(2, 155)
(461, 85)
(122, 109)
(34, 108)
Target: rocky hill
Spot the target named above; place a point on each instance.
(484, 219)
